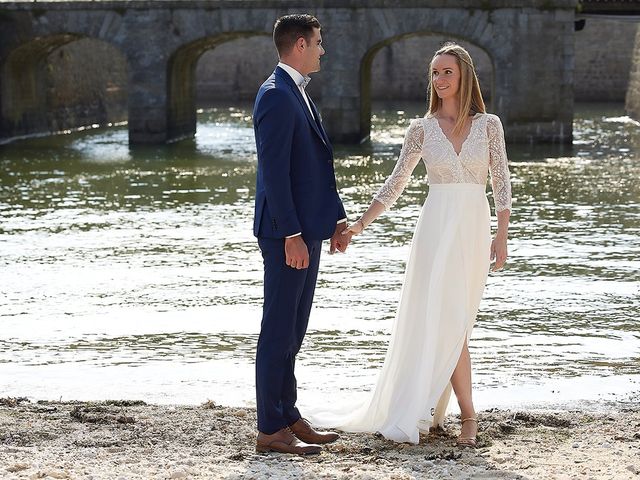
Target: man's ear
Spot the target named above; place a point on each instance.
(301, 44)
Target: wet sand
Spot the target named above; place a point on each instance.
(130, 439)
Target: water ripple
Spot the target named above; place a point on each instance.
(140, 264)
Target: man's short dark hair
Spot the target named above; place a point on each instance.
(289, 28)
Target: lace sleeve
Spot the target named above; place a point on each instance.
(407, 161)
(498, 165)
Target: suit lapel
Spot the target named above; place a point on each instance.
(303, 104)
(307, 112)
(319, 122)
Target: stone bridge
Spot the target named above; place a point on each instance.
(530, 44)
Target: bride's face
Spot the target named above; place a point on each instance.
(445, 75)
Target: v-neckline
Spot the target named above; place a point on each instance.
(463, 142)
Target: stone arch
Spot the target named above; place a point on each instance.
(181, 81)
(23, 85)
(367, 62)
(27, 94)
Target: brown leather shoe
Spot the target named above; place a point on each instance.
(303, 430)
(284, 441)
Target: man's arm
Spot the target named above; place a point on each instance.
(274, 126)
(274, 134)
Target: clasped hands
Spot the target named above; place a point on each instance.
(297, 254)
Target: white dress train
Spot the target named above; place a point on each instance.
(444, 280)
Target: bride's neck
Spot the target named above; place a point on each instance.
(448, 109)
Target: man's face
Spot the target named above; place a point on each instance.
(313, 52)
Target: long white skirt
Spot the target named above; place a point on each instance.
(444, 281)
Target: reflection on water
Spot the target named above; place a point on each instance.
(133, 272)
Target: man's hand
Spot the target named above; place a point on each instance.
(296, 252)
(340, 239)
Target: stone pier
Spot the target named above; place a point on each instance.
(633, 93)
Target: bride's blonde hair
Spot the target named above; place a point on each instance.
(471, 101)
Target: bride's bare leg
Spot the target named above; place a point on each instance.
(461, 383)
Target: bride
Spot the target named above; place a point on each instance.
(449, 262)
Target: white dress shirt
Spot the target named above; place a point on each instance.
(300, 80)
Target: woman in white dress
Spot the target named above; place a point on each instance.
(449, 262)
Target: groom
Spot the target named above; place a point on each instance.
(297, 207)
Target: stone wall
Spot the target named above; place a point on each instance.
(633, 92)
(61, 82)
(603, 60)
(86, 84)
(235, 70)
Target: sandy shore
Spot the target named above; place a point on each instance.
(129, 439)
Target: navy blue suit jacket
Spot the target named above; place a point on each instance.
(296, 185)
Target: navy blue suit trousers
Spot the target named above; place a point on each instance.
(288, 296)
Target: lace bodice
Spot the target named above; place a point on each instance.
(483, 151)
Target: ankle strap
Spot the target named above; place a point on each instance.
(469, 419)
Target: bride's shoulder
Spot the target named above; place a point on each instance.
(490, 118)
(416, 124)
(422, 122)
(414, 135)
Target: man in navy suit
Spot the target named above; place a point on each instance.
(297, 207)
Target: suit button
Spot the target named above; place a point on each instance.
(332, 188)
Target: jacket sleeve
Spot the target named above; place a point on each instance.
(274, 133)
(341, 212)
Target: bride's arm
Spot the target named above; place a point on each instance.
(397, 181)
(501, 184)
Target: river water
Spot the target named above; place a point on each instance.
(133, 273)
